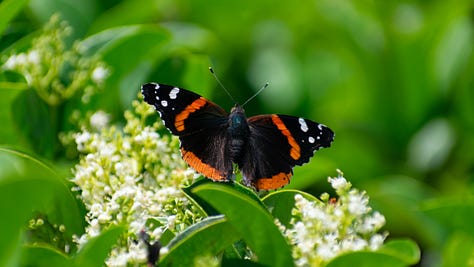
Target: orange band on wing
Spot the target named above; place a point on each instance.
(295, 148)
(276, 181)
(181, 117)
(201, 167)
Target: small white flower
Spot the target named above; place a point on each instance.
(376, 241)
(339, 183)
(118, 259)
(21, 59)
(33, 57)
(357, 203)
(372, 223)
(104, 217)
(325, 251)
(99, 74)
(322, 230)
(164, 250)
(99, 120)
(81, 140)
(137, 252)
(11, 63)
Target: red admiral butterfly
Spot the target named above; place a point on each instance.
(264, 147)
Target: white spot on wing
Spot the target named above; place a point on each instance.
(164, 103)
(157, 86)
(174, 92)
(320, 127)
(311, 139)
(157, 97)
(303, 125)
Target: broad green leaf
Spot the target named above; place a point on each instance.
(40, 256)
(398, 198)
(458, 251)
(252, 221)
(126, 50)
(8, 93)
(240, 263)
(95, 251)
(454, 213)
(207, 237)
(37, 122)
(396, 253)
(196, 74)
(405, 249)
(209, 209)
(8, 10)
(280, 203)
(125, 13)
(166, 236)
(28, 186)
(79, 14)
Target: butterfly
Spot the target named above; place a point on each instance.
(264, 147)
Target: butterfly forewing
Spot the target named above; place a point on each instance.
(177, 106)
(309, 135)
(200, 125)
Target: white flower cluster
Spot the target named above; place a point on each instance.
(131, 177)
(322, 230)
(55, 71)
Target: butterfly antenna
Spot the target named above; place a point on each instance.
(258, 92)
(219, 82)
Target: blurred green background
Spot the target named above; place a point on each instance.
(393, 79)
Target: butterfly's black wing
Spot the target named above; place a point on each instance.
(200, 125)
(276, 144)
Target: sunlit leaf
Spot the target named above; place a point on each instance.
(207, 237)
(395, 253)
(95, 251)
(252, 221)
(43, 256)
(8, 10)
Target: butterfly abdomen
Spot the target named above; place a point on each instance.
(238, 132)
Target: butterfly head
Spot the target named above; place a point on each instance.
(237, 121)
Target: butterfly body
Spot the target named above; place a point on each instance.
(264, 147)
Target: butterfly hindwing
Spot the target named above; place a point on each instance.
(200, 125)
(276, 144)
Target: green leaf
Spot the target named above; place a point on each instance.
(458, 251)
(79, 14)
(208, 236)
(405, 249)
(37, 122)
(126, 49)
(395, 253)
(60, 205)
(280, 203)
(454, 213)
(252, 221)
(240, 263)
(125, 13)
(209, 209)
(26, 186)
(39, 256)
(95, 251)
(8, 93)
(8, 10)
(399, 198)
